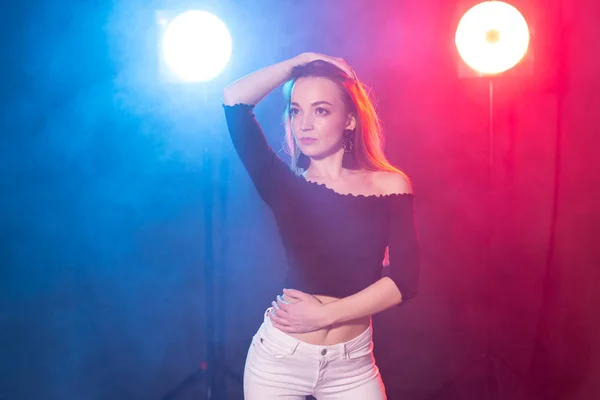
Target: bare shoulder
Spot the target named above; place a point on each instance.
(392, 182)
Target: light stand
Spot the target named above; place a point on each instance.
(194, 48)
(483, 39)
(493, 386)
(212, 370)
(491, 370)
(491, 361)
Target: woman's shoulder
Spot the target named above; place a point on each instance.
(392, 182)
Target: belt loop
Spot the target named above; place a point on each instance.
(267, 312)
(293, 349)
(346, 352)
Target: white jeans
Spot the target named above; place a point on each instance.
(281, 367)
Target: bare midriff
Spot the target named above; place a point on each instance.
(334, 334)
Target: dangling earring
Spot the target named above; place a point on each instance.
(348, 143)
(348, 161)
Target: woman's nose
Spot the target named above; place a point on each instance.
(306, 123)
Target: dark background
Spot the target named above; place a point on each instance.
(107, 170)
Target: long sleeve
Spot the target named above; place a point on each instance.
(404, 248)
(263, 165)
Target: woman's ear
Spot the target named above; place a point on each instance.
(351, 124)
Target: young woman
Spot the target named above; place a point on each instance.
(339, 207)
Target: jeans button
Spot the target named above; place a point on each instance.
(323, 352)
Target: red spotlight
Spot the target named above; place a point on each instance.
(492, 37)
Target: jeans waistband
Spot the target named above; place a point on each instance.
(292, 344)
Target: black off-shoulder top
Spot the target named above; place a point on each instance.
(335, 243)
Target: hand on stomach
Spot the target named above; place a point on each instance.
(332, 334)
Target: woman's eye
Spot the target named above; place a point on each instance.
(293, 111)
(321, 111)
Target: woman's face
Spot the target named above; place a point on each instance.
(319, 116)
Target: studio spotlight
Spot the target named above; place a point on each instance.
(492, 37)
(195, 46)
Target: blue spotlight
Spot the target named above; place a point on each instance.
(196, 46)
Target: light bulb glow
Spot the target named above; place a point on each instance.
(492, 37)
(196, 46)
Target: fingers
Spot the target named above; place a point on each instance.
(280, 304)
(288, 299)
(279, 321)
(275, 318)
(296, 294)
(276, 307)
(340, 63)
(350, 72)
(344, 66)
(337, 61)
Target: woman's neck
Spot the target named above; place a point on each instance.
(328, 168)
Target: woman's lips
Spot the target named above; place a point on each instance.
(308, 140)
